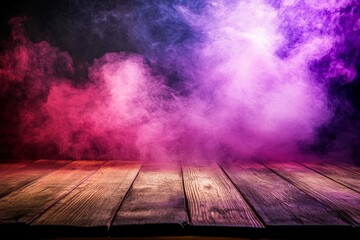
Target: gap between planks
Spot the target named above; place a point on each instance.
(342, 176)
(94, 202)
(19, 175)
(155, 197)
(213, 199)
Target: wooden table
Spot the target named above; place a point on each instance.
(55, 198)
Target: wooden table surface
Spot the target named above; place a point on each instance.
(55, 198)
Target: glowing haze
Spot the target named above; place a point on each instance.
(219, 80)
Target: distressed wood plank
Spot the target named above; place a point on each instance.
(347, 166)
(23, 205)
(278, 202)
(17, 175)
(213, 200)
(340, 175)
(9, 166)
(95, 201)
(341, 199)
(156, 197)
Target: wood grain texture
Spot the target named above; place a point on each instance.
(340, 175)
(213, 200)
(95, 201)
(9, 166)
(16, 175)
(341, 199)
(23, 205)
(278, 202)
(346, 166)
(156, 197)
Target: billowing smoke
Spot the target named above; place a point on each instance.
(175, 80)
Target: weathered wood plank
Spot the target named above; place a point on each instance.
(341, 199)
(156, 197)
(213, 200)
(278, 202)
(347, 166)
(23, 205)
(340, 175)
(95, 201)
(8, 166)
(17, 175)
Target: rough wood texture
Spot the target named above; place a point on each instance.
(23, 205)
(341, 199)
(213, 199)
(347, 166)
(278, 202)
(7, 166)
(95, 201)
(16, 175)
(84, 197)
(340, 175)
(156, 197)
